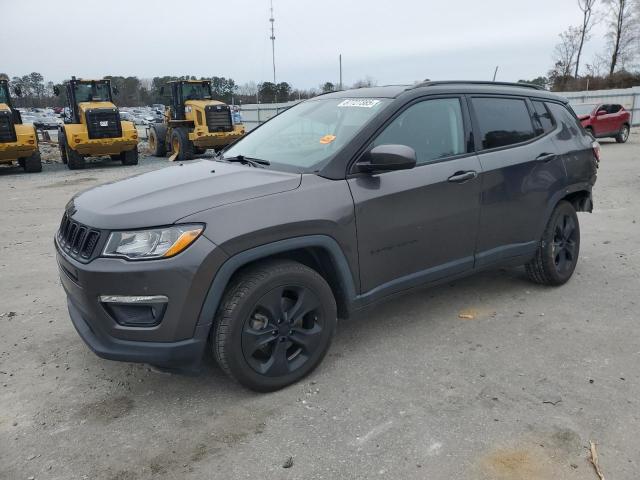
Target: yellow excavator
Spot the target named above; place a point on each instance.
(18, 141)
(193, 122)
(92, 125)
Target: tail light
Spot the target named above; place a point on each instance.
(596, 150)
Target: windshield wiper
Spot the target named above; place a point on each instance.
(254, 162)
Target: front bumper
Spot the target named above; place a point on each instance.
(179, 339)
(201, 137)
(105, 146)
(26, 143)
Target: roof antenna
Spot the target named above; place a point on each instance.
(495, 73)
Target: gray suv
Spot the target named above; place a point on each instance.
(339, 202)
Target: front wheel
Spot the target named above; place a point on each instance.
(33, 163)
(557, 254)
(274, 325)
(130, 157)
(623, 136)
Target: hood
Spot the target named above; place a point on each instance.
(164, 196)
(202, 103)
(84, 106)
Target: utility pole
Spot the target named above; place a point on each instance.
(495, 73)
(340, 84)
(273, 43)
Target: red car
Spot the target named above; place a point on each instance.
(604, 120)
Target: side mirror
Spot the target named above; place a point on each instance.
(599, 113)
(56, 90)
(115, 90)
(386, 158)
(18, 91)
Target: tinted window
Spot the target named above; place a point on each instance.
(568, 123)
(433, 128)
(614, 108)
(543, 117)
(502, 121)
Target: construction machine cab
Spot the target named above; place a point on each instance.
(81, 91)
(185, 90)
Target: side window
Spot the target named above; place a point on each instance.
(502, 121)
(543, 116)
(568, 123)
(433, 128)
(614, 108)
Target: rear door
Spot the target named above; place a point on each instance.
(521, 171)
(419, 225)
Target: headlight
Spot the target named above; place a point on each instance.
(152, 243)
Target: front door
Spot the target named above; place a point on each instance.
(419, 225)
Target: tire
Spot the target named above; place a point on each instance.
(21, 162)
(33, 163)
(157, 140)
(253, 340)
(180, 141)
(199, 150)
(557, 255)
(130, 157)
(623, 136)
(62, 145)
(75, 161)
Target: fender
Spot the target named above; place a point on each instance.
(231, 265)
(559, 195)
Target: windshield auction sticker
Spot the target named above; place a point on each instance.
(327, 139)
(359, 102)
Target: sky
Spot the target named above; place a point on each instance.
(398, 41)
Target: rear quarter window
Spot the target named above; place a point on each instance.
(502, 121)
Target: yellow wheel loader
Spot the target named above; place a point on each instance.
(92, 125)
(193, 122)
(18, 142)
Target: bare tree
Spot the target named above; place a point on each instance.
(623, 23)
(566, 51)
(586, 7)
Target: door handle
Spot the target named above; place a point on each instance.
(545, 157)
(460, 177)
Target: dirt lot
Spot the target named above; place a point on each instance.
(409, 389)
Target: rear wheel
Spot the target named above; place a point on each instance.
(557, 255)
(130, 157)
(181, 144)
(274, 325)
(33, 163)
(75, 161)
(623, 136)
(157, 140)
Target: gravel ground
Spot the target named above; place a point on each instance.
(515, 389)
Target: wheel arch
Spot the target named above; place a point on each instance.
(319, 252)
(579, 195)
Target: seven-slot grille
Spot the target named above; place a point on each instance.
(76, 239)
(7, 130)
(103, 123)
(218, 118)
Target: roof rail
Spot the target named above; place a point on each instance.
(476, 82)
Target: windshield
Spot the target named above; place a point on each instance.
(4, 94)
(584, 109)
(196, 91)
(308, 134)
(92, 92)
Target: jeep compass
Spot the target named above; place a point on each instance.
(340, 201)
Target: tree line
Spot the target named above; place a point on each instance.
(615, 66)
(134, 91)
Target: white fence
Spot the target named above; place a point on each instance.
(257, 113)
(629, 98)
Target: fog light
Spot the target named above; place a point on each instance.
(135, 311)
